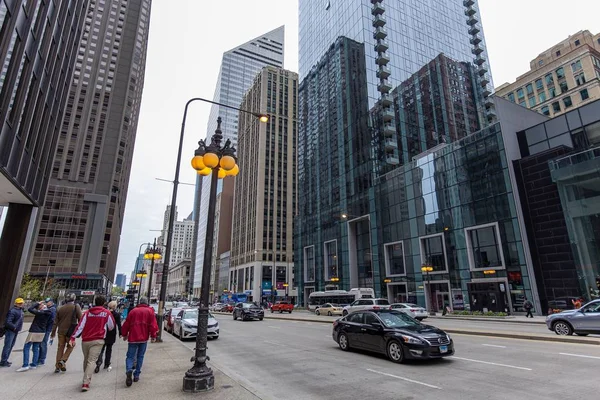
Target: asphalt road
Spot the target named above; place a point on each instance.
(279, 359)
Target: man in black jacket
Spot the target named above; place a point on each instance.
(12, 325)
(111, 337)
(37, 331)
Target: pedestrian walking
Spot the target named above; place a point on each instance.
(66, 320)
(12, 326)
(139, 326)
(111, 337)
(92, 329)
(44, 345)
(37, 331)
(528, 306)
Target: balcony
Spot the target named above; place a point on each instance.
(384, 87)
(474, 30)
(472, 21)
(470, 11)
(386, 100)
(382, 59)
(383, 72)
(391, 144)
(489, 103)
(392, 159)
(484, 80)
(491, 114)
(486, 92)
(381, 46)
(479, 60)
(477, 50)
(379, 21)
(468, 3)
(389, 130)
(388, 114)
(381, 33)
(475, 40)
(482, 70)
(378, 8)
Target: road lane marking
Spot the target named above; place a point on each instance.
(494, 345)
(274, 343)
(404, 379)
(491, 363)
(274, 327)
(579, 355)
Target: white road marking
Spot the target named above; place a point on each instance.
(491, 363)
(404, 379)
(494, 345)
(274, 327)
(579, 355)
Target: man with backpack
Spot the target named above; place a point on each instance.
(65, 322)
(528, 306)
(12, 325)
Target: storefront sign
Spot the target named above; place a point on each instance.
(88, 292)
(79, 276)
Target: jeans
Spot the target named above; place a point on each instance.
(10, 338)
(36, 354)
(135, 351)
(44, 348)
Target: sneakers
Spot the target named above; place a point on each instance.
(106, 366)
(136, 378)
(32, 366)
(85, 387)
(129, 380)
(57, 370)
(23, 369)
(97, 369)
(63, 365)
(5, 364)
(109, 368)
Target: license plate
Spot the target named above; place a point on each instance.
(443, 349)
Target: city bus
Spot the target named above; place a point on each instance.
(340, 297)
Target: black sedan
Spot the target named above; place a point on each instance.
(392, 333)
(247, 311)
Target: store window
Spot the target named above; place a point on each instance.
(394, 259)
(483, 244)
(331, 260)
(433, 252)
(309, 264)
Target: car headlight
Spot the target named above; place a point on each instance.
(411, 340)
(448, 337)
(186, 326)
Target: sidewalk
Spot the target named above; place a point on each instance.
(162, 376)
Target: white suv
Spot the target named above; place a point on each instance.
(362, 304)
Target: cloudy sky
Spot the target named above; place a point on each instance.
(188, 38)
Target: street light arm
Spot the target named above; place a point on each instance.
(223, 105)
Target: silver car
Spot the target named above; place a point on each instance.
(414, 310)
(186, 325)
(582, 322)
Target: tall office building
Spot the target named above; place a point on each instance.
(80, 228)
(265, 189)
(38, 49)
(239, 67)
(183, 231)
(121, 281)
(561, 78)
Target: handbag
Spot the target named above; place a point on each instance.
(73, 326)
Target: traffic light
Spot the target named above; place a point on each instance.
(598, 282)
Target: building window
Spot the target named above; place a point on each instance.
(511, 97)
(529, 88)
(309, 264)
(539, 84)
(580, 79)
(545, 110)
(394, 259)
(522, 103)
(542, 97)
(556, 106)
(576, 66)
(549, 79)
(532, 101)
(558, 53)
(560, 73)
(568, 102)
(520, 93)
(584, 94)
(433, 252)
(564, 88)
(541, 62)
(331, 260)
(552, 92)
(483, 244)
(577, 42)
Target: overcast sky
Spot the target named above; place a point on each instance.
(187, 41)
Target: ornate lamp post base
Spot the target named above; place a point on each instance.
(199, 380)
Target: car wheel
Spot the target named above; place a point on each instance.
(280, 311)
(562, 328)
(582, 334)
(260, 319)
(343, 342)
(271, 311)
(395, 352)
(234, 317)
(329, 313)
(317, 312)
(344, 313)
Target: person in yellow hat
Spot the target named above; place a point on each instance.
(12, 326)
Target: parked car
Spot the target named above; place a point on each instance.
(582, 322)
(247, 311)
(226, 308)
(362, 304)
(282, 306)
(329, 309)
(186, 325)
(414, 310)
(170, 318)
(216, 306)
(392, 333)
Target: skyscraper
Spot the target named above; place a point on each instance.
(121, 281)
(80, 228)
(38, 49)
(238, 70)
(265, 189)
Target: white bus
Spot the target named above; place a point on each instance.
(340, 297)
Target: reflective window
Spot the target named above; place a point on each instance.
(556, 106)
(539, 84)
(532, 101)
(584, 94)
(567, 101)
(484, 247)
(580, 79)
(520, 93)
(433, 252)
(545, 110)
(549, 79)
(331, 260)
(511, 97)
(576, 66)
(542, 97)
(309, 264)
(560, 73)
(529, 88)
(394, 259)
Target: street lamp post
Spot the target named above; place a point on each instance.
(152, 253)
(167, 258)
(136, 285)
(285, 285)
(427, 269)
(141, 275)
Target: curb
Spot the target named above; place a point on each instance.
(558, 339)
(490, 319)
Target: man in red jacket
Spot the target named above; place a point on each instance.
(138, 327)
(92, 328)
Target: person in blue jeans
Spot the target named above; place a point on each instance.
(37, 331)
(44, 344)
(12, 326)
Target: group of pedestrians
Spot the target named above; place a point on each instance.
(97, 327)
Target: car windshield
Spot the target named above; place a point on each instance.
(190, 315)
(382, 302)
(413, 305)
(249, 305)
(397, 320)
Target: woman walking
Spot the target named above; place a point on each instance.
(111, 337)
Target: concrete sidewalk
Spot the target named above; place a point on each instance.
(162, 376)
